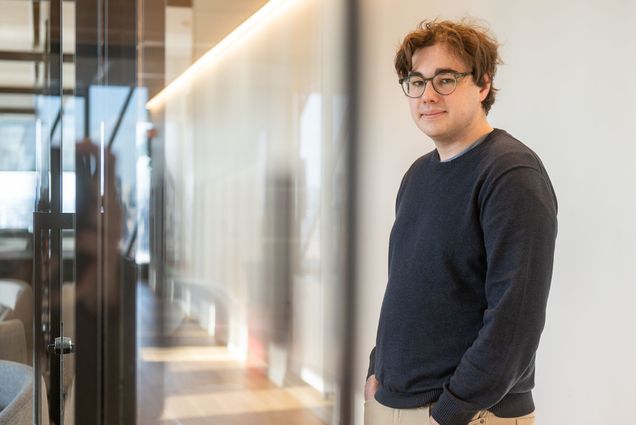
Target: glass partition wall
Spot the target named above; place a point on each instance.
(68, 211)
(175, 212)
(37, 206)
(253, 131)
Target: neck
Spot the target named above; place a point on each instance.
(449, 148)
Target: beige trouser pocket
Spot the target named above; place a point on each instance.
(487, 418)
(378, 414)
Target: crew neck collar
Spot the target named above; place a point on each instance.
(469, 148)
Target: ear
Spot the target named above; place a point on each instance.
(483, 91)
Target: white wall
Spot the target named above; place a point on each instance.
(567, 91)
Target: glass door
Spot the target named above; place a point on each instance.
(53, 280)
(68, 155)
(36, 207)
(105, 120)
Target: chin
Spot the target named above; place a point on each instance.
(433, 134)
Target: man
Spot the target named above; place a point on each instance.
(470, 252)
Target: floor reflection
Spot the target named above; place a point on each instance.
(184, 379)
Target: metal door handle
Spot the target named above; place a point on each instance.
(63, 345)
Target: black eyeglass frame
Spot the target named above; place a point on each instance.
(457, 75)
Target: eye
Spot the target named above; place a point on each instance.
(445, 81)
(416, 82)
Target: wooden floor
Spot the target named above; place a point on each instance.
(183, 378)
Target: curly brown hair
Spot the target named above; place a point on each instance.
(470, 42)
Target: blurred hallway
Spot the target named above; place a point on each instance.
(203, 383)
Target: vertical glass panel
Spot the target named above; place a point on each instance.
(24, 179)
(106, 121)
(67, 326)
(71, 106)
(253, 148)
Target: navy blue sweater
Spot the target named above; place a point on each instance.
(470, 263)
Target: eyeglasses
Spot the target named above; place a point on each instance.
(444, 83)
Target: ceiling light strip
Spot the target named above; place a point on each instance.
(179, 83)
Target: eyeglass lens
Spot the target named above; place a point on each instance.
(443, 84)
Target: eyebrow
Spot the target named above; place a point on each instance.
(437, 71)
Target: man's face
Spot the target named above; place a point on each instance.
(457, 117)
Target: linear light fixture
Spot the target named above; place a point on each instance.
(268, 10)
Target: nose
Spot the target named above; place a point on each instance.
(429, 95)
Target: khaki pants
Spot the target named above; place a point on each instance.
(377, 414)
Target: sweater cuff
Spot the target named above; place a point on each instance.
(449, 410)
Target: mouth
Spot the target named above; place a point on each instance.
(430, 115)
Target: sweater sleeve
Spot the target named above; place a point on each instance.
(518, 218)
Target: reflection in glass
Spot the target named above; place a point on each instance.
(253, 184)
